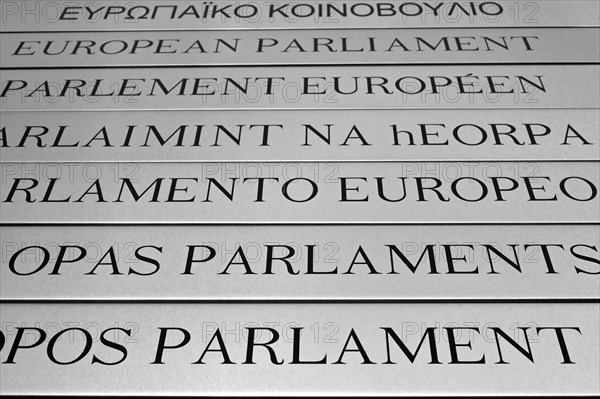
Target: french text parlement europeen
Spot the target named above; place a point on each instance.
(468, 84)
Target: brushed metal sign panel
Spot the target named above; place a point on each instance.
(513, 349)
(317, 47)
(393, 87)
(301, 135)
(300, 262)
(462, 192)
(68, 15)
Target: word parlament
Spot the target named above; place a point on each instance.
(362, 347)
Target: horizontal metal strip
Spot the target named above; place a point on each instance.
(294, 396)
(355, 350)
(302, 192)
(428, 87)
(439, 160)
(290, 396)
(302, 136)
(300, 263)
(134, 223)
(339, 47)
(319, 29)
(241, 64)
(328, 301)
(275, 110)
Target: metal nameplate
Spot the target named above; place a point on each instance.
(301, 135)
(300, 262)
(351, 192)
(393, 87)
(303, 47)
(100, 15)
(300, 349)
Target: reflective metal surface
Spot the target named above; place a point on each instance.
(300, 262)
(281, 47)
(467, 192)
(422, 87)
(100, 15)
(302, 135)
(331, 331)
(341, 198)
